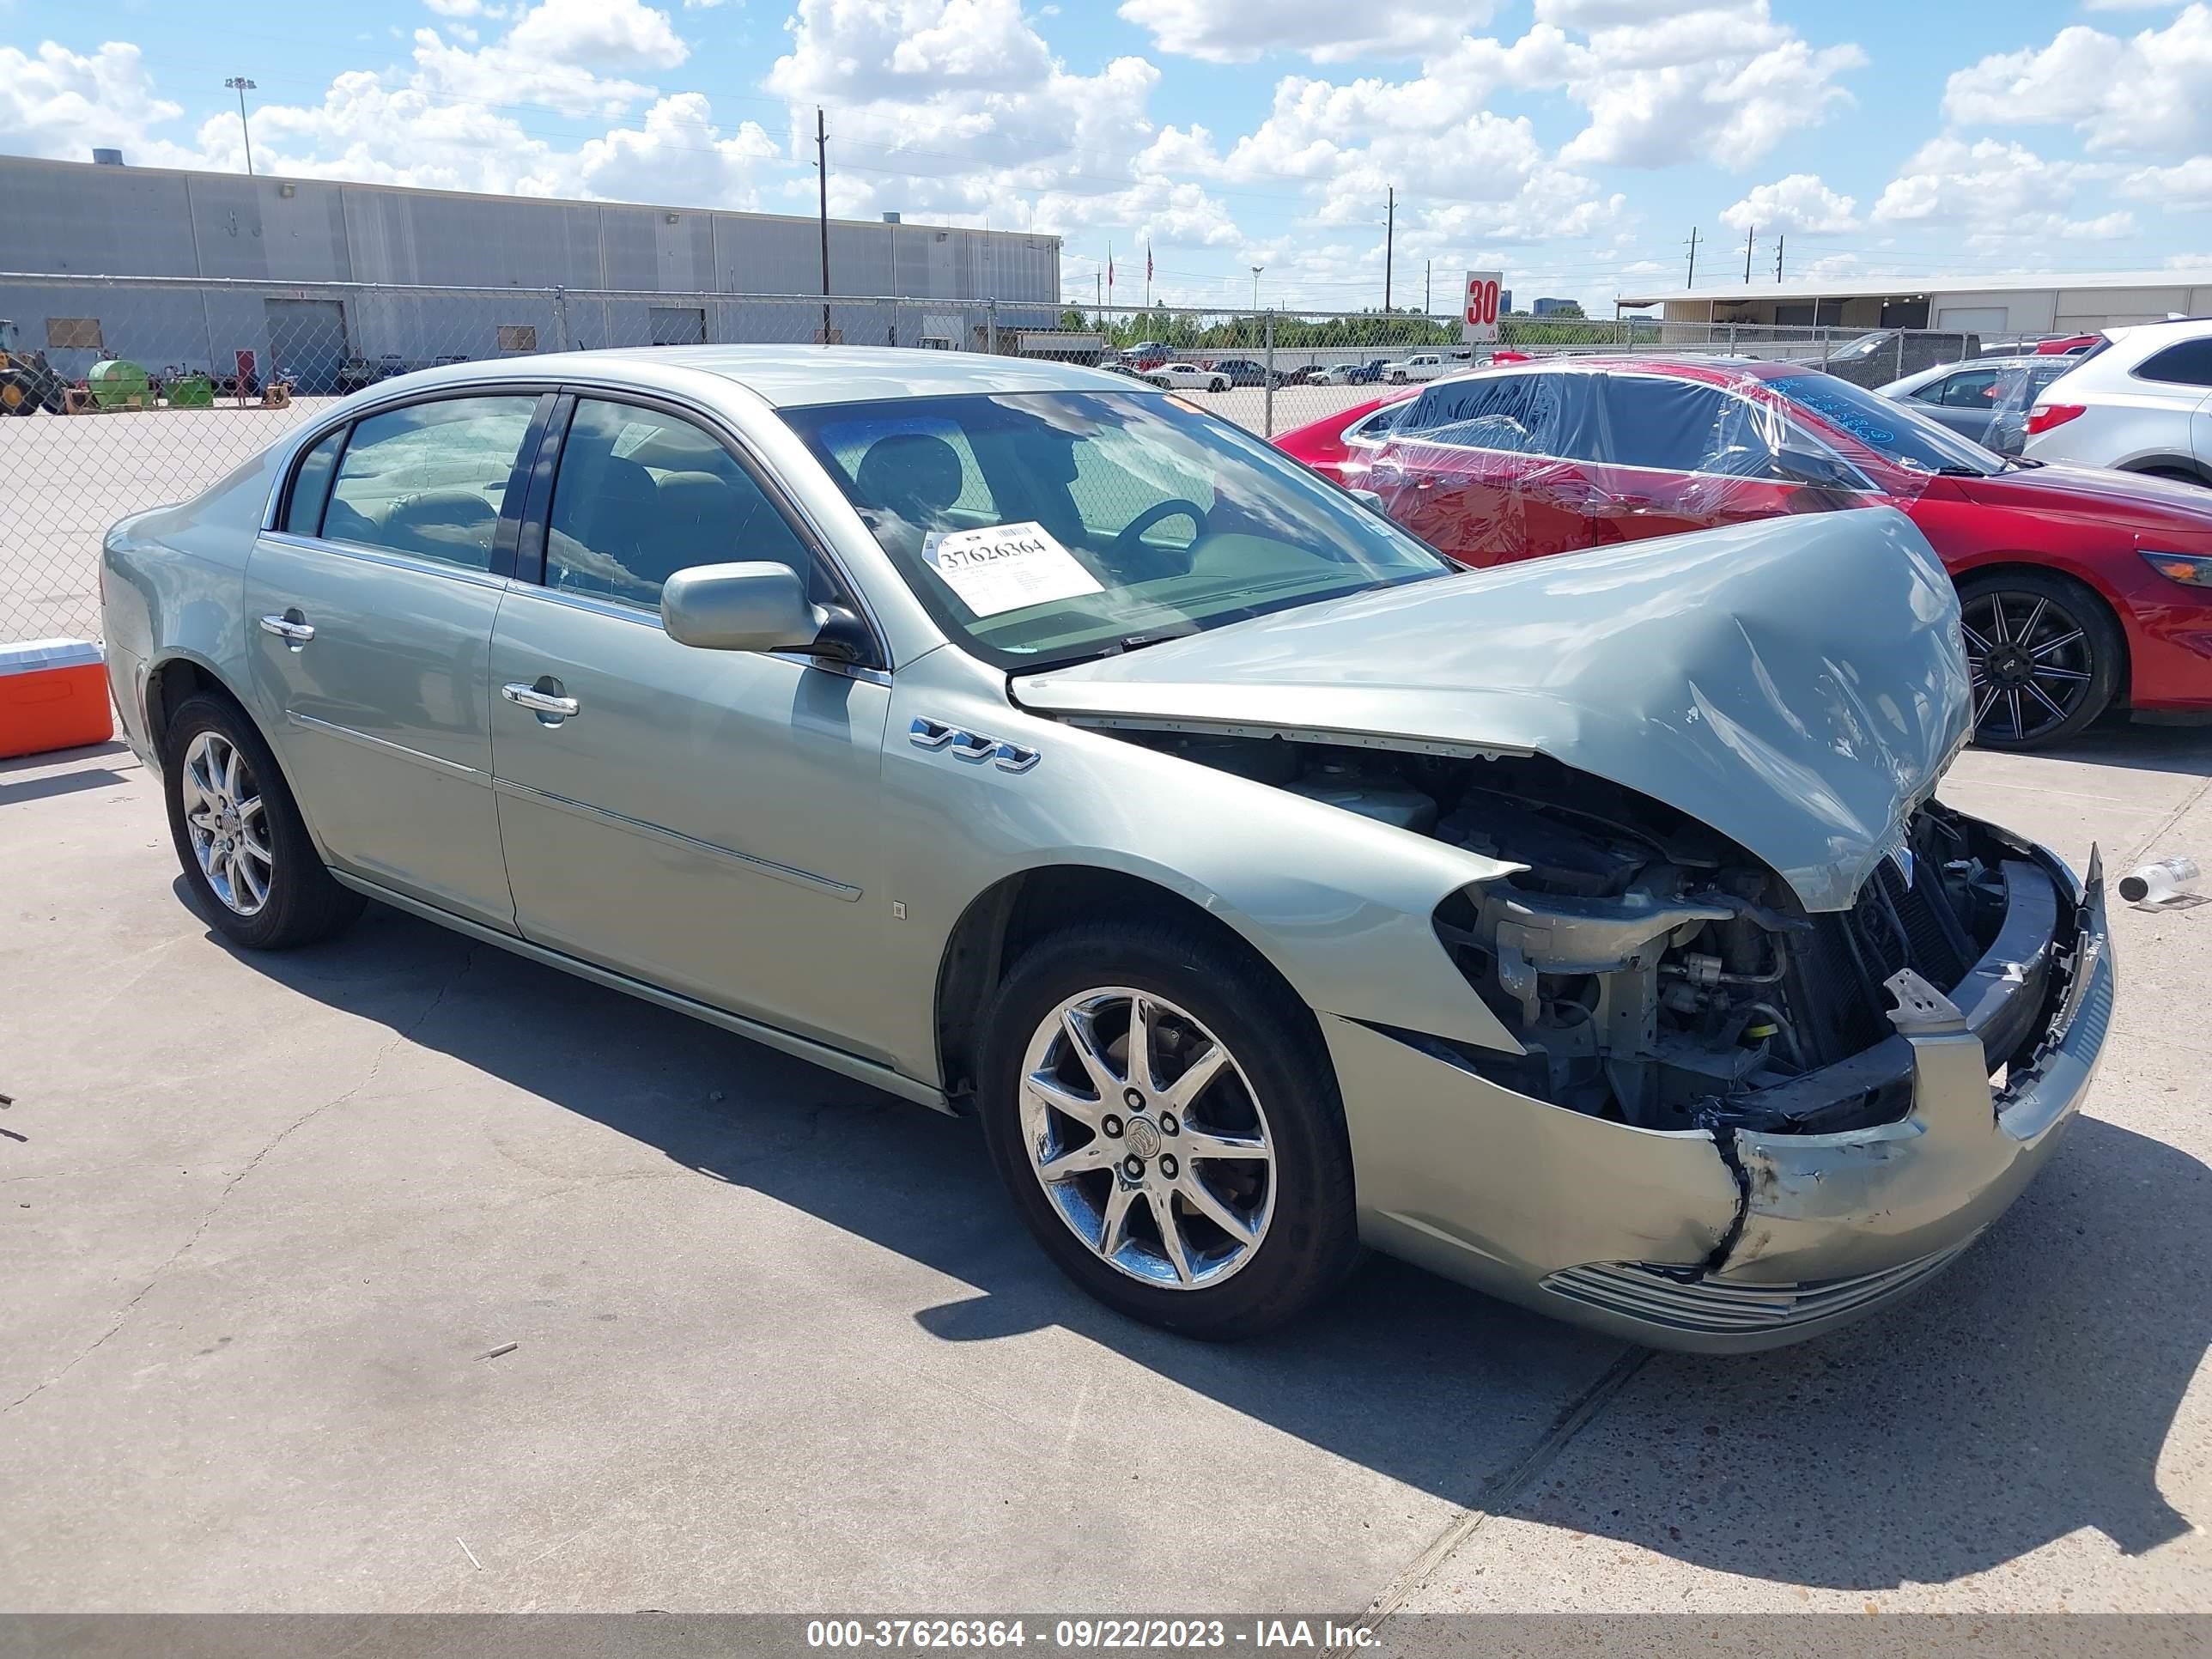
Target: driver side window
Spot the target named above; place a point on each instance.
(643, 495)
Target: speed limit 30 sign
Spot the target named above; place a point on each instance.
(1478, 306)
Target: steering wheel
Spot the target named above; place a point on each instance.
(1129, 544)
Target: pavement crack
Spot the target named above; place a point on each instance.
(2166, 823)
(207, 1219)
(1579, 1414)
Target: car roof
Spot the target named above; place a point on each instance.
(798, 376)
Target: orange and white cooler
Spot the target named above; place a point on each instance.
(53, 695)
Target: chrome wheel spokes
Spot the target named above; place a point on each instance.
(2030, 665)
(1147, 1138)
(227, 823)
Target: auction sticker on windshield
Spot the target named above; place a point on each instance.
(1007, 567)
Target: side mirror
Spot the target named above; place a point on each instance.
(739, 607)
(1370, 499)
(1812, 466)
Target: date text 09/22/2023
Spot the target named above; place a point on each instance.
(1083, 1634)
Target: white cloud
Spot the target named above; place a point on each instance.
(957, 108)
(2184, 188)
(2152, 92)
(2004, 195)
(456, 8)
(586, 33)
(1327, 31)
(677, 154)
(1800, 201)
(60, 103)
(1726, 83)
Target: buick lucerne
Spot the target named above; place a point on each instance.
(1029, 743)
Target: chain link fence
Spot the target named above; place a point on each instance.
(133, 392)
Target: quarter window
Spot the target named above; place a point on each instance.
(641, 496)
(2189, 364)
(1972, 388)
(430, 479)
(311, 486)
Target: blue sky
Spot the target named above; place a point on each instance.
(1573, 144)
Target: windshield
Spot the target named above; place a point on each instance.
(1042, 528)
(1887, 427)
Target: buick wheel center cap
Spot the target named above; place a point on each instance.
(1144, 1137)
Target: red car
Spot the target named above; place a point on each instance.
(2082, 589)
(1341, 444)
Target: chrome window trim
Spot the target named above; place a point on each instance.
(330, 420)
(385, 555)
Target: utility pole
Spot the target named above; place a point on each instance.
(241, 86)
(1746, 252)
(1691, 280)
(1098, 294)
(1778, 241)
(822, 166)
(1428, 285)
(1389, 242)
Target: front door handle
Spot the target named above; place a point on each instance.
(539, 700)
(290, 627)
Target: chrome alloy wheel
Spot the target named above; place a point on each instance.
(1147, 1137)
(2030, 662)
(227, 823)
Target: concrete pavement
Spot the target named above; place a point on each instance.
(780, 1344)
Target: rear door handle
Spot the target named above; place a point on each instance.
(289, 628)
(542, 702)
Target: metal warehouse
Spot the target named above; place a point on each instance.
(313, 275)
(2023, 305)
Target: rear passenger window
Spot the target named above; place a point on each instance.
(1682, 426)
(641, 496)
(311, 487)
(2189, 364)
(429, 479)
(1548, 414)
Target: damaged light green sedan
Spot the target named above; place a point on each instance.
(1027, 742)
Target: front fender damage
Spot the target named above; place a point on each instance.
(1724, 1236)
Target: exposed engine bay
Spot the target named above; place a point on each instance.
(1654, 972)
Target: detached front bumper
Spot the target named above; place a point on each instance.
(1739, 1240)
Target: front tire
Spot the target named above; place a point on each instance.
(1204, 1185)
(2045, 655)
(245, 850)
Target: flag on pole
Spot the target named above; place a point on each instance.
(1109, 271)
(1148, 261)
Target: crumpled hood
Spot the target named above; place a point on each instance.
(1798, 683)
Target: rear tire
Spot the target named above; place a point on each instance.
(245, 849)
(2046, 655)
(1042, 1104)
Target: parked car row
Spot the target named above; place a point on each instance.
(1027, 743)
(2082, 588)
(1986, 399)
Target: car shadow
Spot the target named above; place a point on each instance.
(2029, 1394)
(2185, 751)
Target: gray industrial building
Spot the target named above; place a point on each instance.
(313, 275)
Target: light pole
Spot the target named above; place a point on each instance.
(1256, 270)
(241, 86)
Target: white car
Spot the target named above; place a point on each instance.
(1422, 366)
(2142, 404)
(1181, 375)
